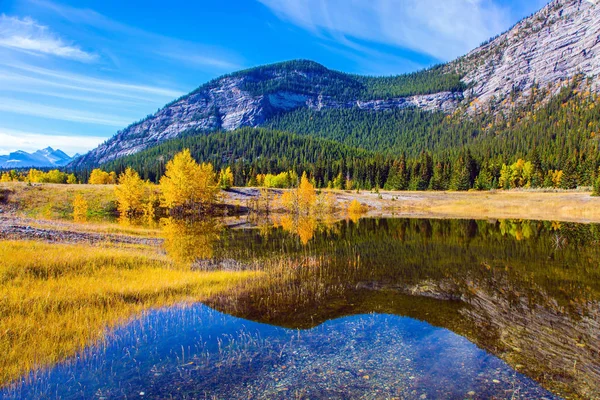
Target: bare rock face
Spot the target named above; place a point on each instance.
(547, 49)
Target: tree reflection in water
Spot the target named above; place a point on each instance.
(189, 240)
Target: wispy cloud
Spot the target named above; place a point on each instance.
(150, 43)
(87, 83)
(27, 79)
(60, 113)
(443, 29)
(13, 140)
(25, 34)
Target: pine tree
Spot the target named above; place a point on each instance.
(596, 186)
(437, 180)
(569, 178)
(461, 177)
(483, 180)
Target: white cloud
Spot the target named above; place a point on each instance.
(89, 84)
(59, 113)
(150, 43)
(25, 34)
(443, 29)
(13, 140)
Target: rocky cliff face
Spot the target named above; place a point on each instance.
(225, 105)
(545, 50)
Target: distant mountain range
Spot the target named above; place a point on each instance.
(44, 158)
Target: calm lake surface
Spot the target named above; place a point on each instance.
(391, 308)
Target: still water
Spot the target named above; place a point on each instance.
(367, 309)
(197, 352)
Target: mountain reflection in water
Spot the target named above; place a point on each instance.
(373, 308)
(526, 291)
(196, 352)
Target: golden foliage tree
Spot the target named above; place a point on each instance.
(99, 177)
(80, 209)
(130, 193)
(307, 197)
(302, 200)
(356, 210)
(226, 178)
(187, 184)
(71, 179)
(152, 204)
(5, 177)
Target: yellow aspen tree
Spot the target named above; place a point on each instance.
(152, 204)
(35, 175)
(130, 195)
(226, 178)
(80, 209)
(187, 184)
(99, 177)
(71, 179)
(307, 197)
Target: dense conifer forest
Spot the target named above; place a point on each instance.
(537, 145)
(306, 77)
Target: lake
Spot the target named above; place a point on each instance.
(388, 308)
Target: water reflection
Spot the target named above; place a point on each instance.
(526, 291)
(196, 352)
(188, 241)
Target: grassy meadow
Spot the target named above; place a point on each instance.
(55, 201)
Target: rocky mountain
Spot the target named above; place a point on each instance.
(44, 158)
(544, 51)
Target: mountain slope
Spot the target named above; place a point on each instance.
(45, 158)
(543, 52)
(555, 146)
(251, 97)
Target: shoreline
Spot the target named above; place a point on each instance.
(19, 219)
(562, 206)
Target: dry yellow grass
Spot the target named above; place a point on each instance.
(534, 205)
(574, 206)
(55, 299)
(55, 201)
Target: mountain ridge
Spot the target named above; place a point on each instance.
(223, 104)
(544, 50)
(496, 77)
(43, 158)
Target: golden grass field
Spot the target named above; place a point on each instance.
(54, 201)
(55, 299)
(573, 206)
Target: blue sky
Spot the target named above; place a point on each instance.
(72, 73)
